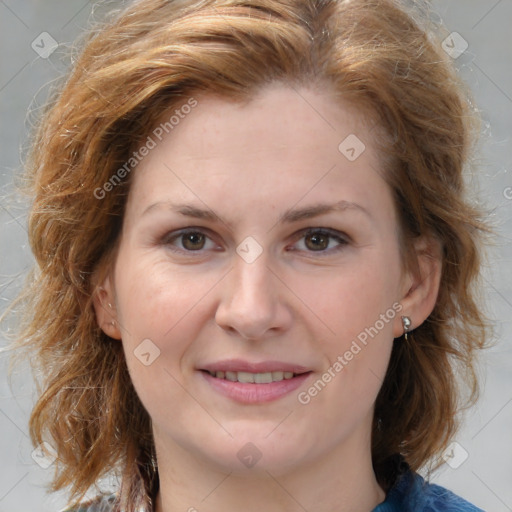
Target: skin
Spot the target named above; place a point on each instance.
(249, 164)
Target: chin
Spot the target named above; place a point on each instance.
(258, 454)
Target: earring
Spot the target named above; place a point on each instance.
(406, 322)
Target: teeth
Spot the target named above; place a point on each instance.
(263, 378)
(254, 378)
(245, 377)
(277, 376)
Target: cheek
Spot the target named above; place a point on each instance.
(347, 301)
(158, 301)
(167, 307)
(354, 315)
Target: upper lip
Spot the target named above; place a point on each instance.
(239, 365)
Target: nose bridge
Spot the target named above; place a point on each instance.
(251, 304)
(253, 281)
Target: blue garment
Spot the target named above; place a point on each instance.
(412, 494)
(409, 494)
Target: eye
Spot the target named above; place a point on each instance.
(321, 240)
(190, 240)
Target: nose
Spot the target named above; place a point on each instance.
(253, 303)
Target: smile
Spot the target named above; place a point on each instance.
(253, 378)
(254, 387)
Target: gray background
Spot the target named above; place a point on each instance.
(485, 477)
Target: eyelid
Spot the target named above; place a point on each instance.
(328, 231)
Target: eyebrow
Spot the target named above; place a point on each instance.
(295, 215)
(289, 216)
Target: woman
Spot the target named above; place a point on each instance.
(255, 260)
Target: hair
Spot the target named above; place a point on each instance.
(155, 56)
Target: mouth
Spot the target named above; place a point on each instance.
(254, 378)
(254, 383)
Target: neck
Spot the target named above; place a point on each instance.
(342, 480)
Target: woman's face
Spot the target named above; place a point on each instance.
(260, 243)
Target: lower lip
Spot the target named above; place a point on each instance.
(249, 393)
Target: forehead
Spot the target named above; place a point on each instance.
(283, 142)
(278, 115)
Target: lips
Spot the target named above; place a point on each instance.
(251, 382)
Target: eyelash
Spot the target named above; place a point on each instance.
(332, 234)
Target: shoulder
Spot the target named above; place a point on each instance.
(103, 504)
(412, 493)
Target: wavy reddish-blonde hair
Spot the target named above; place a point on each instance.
(154, 56)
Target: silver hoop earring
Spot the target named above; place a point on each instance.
(406, 323)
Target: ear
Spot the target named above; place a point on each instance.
(104, 306)
(420, 284)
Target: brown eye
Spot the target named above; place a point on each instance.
(317, 241)
(189, 241)
(323, 241)
(193, 241)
